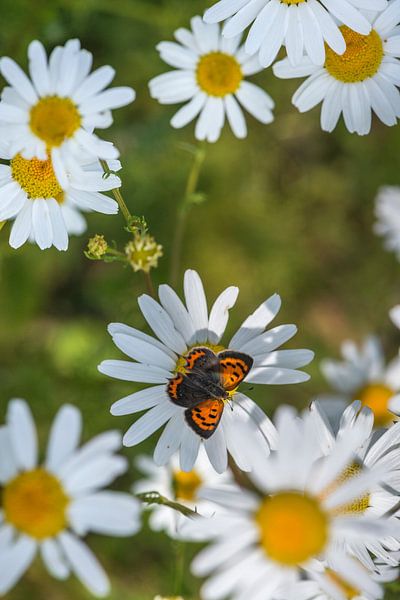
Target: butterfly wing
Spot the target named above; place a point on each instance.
(204, 418)
(188, 390)
(201, 359)
(233, 367)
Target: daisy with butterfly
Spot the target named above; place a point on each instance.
(194, 376)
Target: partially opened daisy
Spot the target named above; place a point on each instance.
(53, 113)
(356, 83)
(305, 27)
(42, 211)
(210, 79)
(272, 537)
(188, 362)
(363, 375)
(181, 486)
(48, 507)
(373, 453)
(387, 211)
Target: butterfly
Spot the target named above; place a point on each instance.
(205, 385)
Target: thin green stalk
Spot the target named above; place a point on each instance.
(183, 212)
(180, 567)
(149, 284)
(118, 196)
(2, 223)
(156, 498)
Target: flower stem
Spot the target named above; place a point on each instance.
(149, 284)
(116, 192)
(2, 223)
(180, 562)
(156, 498)
(184, 209)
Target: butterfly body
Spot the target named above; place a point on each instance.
(205, 386)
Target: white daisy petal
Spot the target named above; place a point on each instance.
(64, 436)
(15, 561)
(85, 565)
(23, 434)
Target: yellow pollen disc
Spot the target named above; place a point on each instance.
(293, 528)
(358, 505)
(348, 591)
(219, 74)
(54, 119)
(35, 503)
(292, 1)
(361, 60)
(376, 396)
(36, 178)
(186, 485)
(180, 365)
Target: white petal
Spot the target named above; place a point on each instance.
(219, 314)
(15, 561)
(23, 434)
(85, 565)
(64, 436)
(149, 423)
(54, 559)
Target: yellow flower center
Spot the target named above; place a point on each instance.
(54, 119)
(219, 74)
(376, 396)
(361, 60)
(293, 528)
(292, 1)
(186, 485)
(36, 178)
(358, 505)
(348, 591)
(35, 503)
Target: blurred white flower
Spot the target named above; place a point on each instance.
(301, 513)
(210, 77)
(181, 486)
(48, 507)
(162, 362)
(387, 211)
(373, 453)
(360, 81)
(53, 113)
(44, 213)
(363, 375)
(305, 27)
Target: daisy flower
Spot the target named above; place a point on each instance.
(53, 113)
(183, 487)
(361, 80)
(378, 452)
(162, 362)
(305, 27)
(394, 314)
(48, 507)
(271, 538)
(387, 212)
(325, 584)
(210, 77)
(43, 212)
(363, 375)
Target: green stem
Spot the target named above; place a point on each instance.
(2, 223)
(149, 284)
(156, 498)
(118, 196)
(183, 211)
(180, 563)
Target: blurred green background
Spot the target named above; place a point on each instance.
(288, 210)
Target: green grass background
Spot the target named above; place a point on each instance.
(289, 210)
